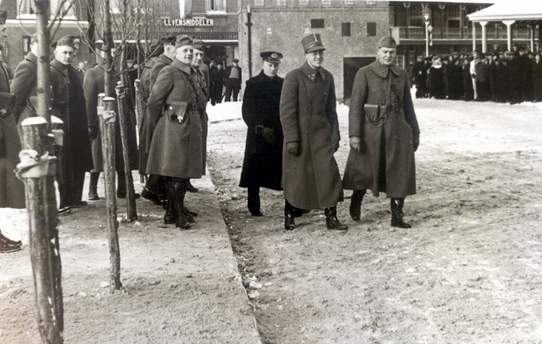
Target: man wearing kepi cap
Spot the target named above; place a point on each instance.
(310, 176)
(175, 121)
(384, 134)
(262, 164)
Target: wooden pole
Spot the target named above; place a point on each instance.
(107, 127)
(108, 45)
(37, 170)
(41, 8)
(131, 210)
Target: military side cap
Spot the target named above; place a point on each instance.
(271, 56)
(387, 42)
(312, 43)
(198, 44)
(169, 40)
(66, 41)
(183, 40)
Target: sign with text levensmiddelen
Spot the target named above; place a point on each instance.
(188, 22)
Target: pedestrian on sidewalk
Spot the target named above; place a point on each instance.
(175, 120)
(232, 81)
(262, 163)
(310, 175)
(384, 134)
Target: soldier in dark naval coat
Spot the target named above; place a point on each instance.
(384, 134)
(175, 119)
(310, 175)
(262, 164)
(68, 103)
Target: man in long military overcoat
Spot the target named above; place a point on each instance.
(11, 188)
(155, 187)
(310, 177)
(68, 103)
(23, 85)
(93, 85)
(262, 164)
(202, 82)
(175, 118)
(384, 134)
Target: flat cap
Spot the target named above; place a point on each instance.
(67, 41)
(198, 44)
(169, 40)
(271, 56)
(312, 43)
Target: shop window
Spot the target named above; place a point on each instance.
(282, 3)
(216, 5)
(304, 2)
(24, 8)
(259, 3)
(371, 29)
(346, 29)
(326, 3)
(317, 23)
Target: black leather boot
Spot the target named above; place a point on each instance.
(190, 187)
(289, 222)
(181, 221)
(253, 201)
(355, 204)
(396, 205)
(332, 222)
(93, 186)
(170, 215)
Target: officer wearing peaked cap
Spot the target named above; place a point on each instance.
(310, 175)
(262, 164)
(384, 134)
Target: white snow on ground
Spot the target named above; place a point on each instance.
(226, 111)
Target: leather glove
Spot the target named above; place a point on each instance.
(415, 142)
(293, 148)
(356, 144)
(268, 134)
(92, 132)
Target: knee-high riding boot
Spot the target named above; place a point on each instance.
(355, 204)
(93, 186)
(396, 205)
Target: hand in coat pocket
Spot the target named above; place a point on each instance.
(293, 148)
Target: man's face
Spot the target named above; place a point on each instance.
(185, 53)
(64, 54)
(170, 51)
(270, 68)
(198, 57)
(386, 56)
(315, 59)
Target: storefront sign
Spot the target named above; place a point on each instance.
(188, 22)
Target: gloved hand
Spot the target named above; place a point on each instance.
(356, 144)
(293, 148)
(92, 132)
(415, 142)
(268, 134)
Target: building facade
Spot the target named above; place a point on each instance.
(21, 24)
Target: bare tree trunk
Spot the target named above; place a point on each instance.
(131, 210)
(106, 112)
(41, 7)
(108, 45)
(37, 169)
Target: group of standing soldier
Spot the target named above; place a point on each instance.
(512, 76)
(293, 133)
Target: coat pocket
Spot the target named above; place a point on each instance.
(177, 111)
(374, 115)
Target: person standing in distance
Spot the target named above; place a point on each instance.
(384, 134)
(310, 175)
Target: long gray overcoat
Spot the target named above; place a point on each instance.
(310, 180)
(386, 160)
(176, 123)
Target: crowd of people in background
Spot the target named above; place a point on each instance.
(509, 76)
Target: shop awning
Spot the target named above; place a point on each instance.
(509, 10)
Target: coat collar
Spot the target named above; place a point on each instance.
(164, 59)
(311, 72)
(181, 66)
(382, 71)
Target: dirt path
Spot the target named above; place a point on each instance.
(469, 271)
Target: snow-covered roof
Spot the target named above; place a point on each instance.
(509, 10)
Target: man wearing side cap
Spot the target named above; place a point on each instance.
(175, 150)
(310, 175)
(384, 134)
(68, 103)
(262, 164)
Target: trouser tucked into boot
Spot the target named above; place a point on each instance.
(332, 222)
(355, 204)
(175, 210)
(396, 206)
